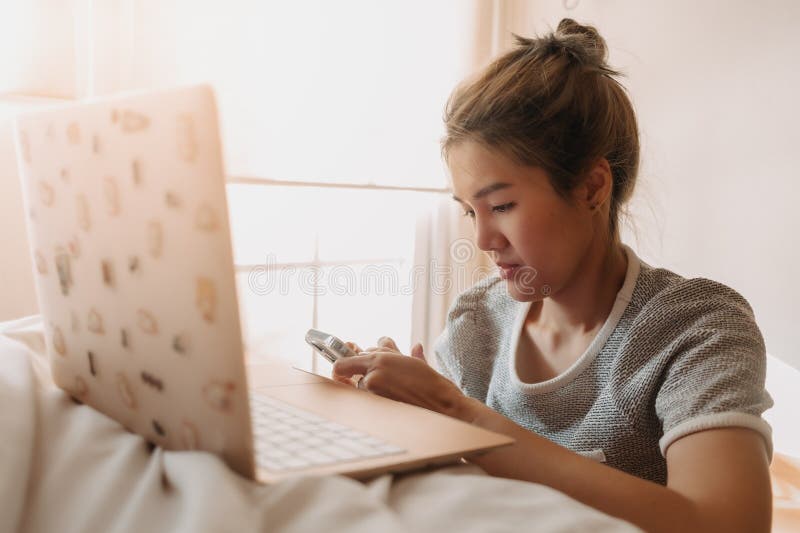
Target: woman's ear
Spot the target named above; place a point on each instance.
(597, 185)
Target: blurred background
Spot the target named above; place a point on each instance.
(332, 113)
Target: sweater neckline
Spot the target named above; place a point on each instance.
(620, 304)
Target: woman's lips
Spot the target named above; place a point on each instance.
(507, 270)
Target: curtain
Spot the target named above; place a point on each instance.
(446, 251)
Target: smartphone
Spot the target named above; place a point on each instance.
(328, 346)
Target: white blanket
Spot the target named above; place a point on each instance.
(66, 467)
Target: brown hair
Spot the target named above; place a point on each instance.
(552, 102)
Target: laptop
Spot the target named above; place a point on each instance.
(128, 227)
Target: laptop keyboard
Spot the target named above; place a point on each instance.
(288, 437)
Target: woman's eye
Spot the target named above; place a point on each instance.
(503, 208)
(496, 209)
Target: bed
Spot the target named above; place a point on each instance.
(69, 468)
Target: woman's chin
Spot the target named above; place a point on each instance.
(526, 293)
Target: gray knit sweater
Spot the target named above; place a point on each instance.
(675, 356)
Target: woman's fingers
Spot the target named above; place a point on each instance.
(383, 342)
(349, 366)
(353, 346)
(342, 379)
(417, 352)
(387, 342)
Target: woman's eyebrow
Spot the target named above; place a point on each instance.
(486, 190)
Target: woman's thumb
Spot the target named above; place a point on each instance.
(387, 342)
(416, 351)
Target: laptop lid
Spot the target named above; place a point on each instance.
(128, 228)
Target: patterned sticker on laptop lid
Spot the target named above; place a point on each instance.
(73, 133)
(64, 269)
(130, 121)
(206, 298)
(94, 322)
(46, 193)
(82, 209)
(59, 345)
(125, 391)
(111, 193)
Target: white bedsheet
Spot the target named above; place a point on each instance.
(67, 468)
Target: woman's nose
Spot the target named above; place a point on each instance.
(488, 237)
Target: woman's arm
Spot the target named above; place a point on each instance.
(718, 479)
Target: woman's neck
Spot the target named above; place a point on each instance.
(586, 300)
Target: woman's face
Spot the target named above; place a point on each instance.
(536, 237)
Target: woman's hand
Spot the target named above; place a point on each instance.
(389, 373)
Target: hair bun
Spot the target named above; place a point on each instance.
(584, 43)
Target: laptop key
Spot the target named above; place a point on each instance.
(294, 446)
(309, 417)
(271, 465)
(276, 438)
(318, 458)
(296, 434)
(355, 447)
(341, 454)
(369, 440)
(308, 426)
(276, 453)
(333, 426)
(295, 462)
(353, 434)
(315, 442)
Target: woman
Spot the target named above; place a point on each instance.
(629, 388)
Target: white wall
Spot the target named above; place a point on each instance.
(715, 85)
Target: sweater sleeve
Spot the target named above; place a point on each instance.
(457, 330)
(715, 377)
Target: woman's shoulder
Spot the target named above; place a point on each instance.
(478, 321)
(663, 295)
(482, 315)
(688, 347)
(674, 320)
(488, 298)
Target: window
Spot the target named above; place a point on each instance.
(330, 115)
